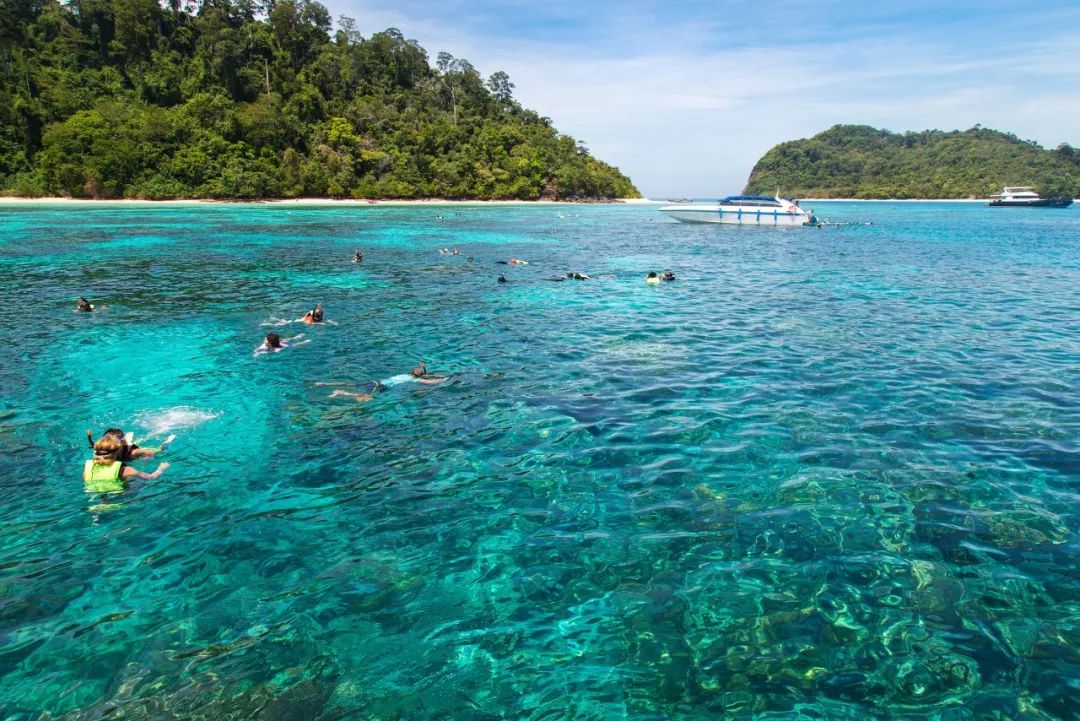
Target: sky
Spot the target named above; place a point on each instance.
(685, 97)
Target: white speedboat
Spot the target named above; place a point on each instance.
(1024, 197)
(742, 210)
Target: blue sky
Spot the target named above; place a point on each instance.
(685, 97)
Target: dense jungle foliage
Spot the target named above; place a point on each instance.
(261, 99)
(857, 161)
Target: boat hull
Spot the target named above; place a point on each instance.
(1040, 203)
(743, 216)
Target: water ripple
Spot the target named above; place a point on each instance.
(822, 475)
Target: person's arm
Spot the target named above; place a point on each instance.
(149, 452)
(130, 472)
(431, 381)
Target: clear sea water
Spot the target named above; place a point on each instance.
(826, 474)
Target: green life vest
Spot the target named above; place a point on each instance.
(102, 478)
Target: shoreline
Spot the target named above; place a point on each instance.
(308, 202)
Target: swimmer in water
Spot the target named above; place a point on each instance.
(518, 261)
(419, 374)
(358, 257)
(416, 375)
(82, 305)
(667, 276)
(108, 463)
(315, 315)
(131, 451)
(652, 278)
(502, 278)
(275, 343)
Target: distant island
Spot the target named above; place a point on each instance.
(858, 161)
(149, 100)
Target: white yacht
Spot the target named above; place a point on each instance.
(1025, 197)
(742, 210)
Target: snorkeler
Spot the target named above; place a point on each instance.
(275, 343)
(419, 374)
(358, 257)
(315, 315)
(667, 276)
(108, 465)
(82, 305)
(518, 261)
(131, 451)
(652, 278)
(502, 278)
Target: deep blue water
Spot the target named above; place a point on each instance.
(826, 474)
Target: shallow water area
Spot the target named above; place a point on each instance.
(826, 473)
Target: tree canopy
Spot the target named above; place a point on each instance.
(857, 161)
(261, 99)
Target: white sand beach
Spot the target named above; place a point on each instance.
(307, 202)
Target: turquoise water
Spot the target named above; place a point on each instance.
(826, 474)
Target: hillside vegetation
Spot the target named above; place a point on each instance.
(261, 99)
(857, 161)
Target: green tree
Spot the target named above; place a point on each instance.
(254, 98)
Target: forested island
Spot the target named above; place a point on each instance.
(251, 99)
(858, 161)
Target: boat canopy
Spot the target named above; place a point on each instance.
(752, 201)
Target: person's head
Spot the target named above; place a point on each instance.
(317, 312)
(108, 449)
(502, 278)
(117, 433)
(83, 304)
(419, 371)
(273, 340)
(652, 274)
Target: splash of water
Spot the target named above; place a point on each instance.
(158, 423)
